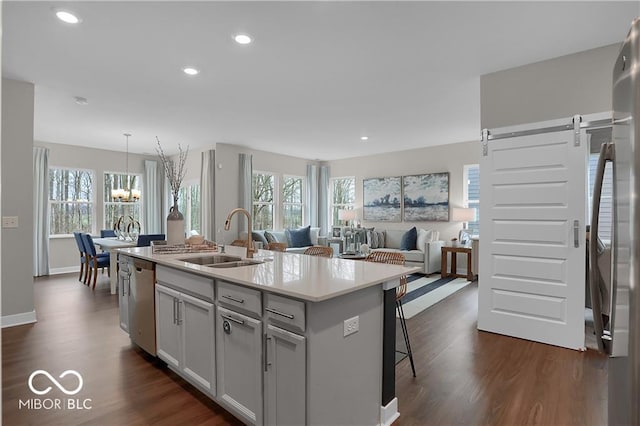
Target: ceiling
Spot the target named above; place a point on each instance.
(318, 76)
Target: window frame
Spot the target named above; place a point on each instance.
(474, 226)
(92, 204)
(187, 188)
(273, 203)
(281, 206)
(124, 204)
(339, 206)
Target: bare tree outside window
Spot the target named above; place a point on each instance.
(343, 196)
(292, 204)
(189, 205)
(70, 201)
(263, 209)
(113, 209)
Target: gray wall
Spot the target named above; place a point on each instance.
(17, 160)
(580, 83)
(227, 188)
(443, 158)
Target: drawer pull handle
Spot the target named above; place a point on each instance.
(233, 298)
(282, 314)
(237, 321)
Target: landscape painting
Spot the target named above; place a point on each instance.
(382, 199)
(426, 197)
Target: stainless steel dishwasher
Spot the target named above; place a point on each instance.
(142, 321)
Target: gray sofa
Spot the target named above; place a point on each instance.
(427, 257)
(281, 236)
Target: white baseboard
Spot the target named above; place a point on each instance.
(65, 270)
(19, 319)
(389, 413)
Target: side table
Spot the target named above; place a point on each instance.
(445, 260)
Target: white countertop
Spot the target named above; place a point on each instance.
(310, 278)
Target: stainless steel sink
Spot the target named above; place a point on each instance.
(236, 264)
(212, 259)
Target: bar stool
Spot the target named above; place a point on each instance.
(397, 259)
(319, 251)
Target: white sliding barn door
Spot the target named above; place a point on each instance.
(532, 275)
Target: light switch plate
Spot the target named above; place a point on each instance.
(9, 221)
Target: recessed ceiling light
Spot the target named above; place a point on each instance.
(80, 100)
(68, 17)
(242, 39)
(190, 71)
(364, 138)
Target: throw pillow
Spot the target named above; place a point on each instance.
(423, 238)
(259, 236)
(270, 237)
(372, 237)
(299, 237)
(409, 239)
(381, 239)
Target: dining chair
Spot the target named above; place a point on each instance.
(107, 233)
(319, 251)
(397, 259)
(282, 247)
(83, 256)
(94, 260)
(144, 240)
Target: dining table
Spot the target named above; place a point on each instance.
(112, 244)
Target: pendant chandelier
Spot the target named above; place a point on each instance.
(126, 194)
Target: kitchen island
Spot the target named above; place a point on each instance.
(292, 339)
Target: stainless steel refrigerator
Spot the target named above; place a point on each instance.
(618, 334)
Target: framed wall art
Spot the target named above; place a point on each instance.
(426, 197)
(382, 199)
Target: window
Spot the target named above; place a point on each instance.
(343, 196)
(189, 205)
(605, 218)
(292, 204)
(472, 194)
(263, 204)
(113, 207)
(70, 201)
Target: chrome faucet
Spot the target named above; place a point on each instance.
(227, 224)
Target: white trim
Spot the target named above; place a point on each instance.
(64, 270)
(19, 319)
(389, 413)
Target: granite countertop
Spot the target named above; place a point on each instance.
(309, 278)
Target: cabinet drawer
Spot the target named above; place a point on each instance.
(192, 284)
(287, 313)
(241, 298)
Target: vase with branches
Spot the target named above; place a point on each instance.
(174, 171)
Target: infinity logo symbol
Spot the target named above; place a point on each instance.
(55, 382)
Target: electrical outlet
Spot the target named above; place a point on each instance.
(9, 221)
(351, 325)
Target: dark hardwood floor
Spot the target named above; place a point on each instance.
(465, 377)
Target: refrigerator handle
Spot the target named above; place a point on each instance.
(604, 342)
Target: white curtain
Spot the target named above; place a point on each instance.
(207, 194)
(323, 200)
(40, 211)
(312, 194)
(246, 180)
(153, 198)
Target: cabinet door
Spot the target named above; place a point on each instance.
(198, 357)
(123, 299)
(239, 361)
(285, 377)
(167, 327)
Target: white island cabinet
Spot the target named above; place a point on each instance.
(184, 326)
(272, 346)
